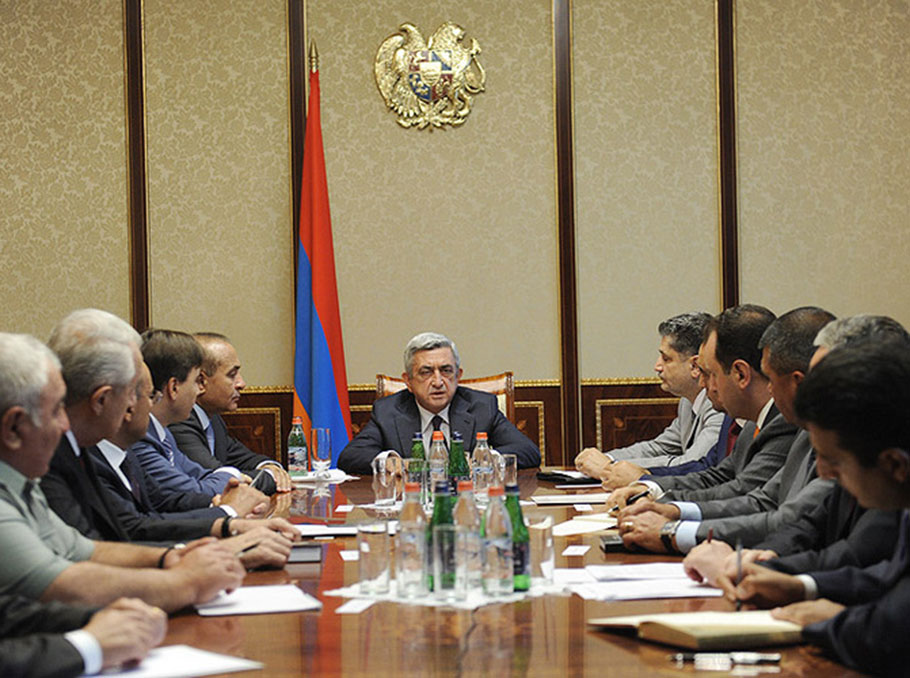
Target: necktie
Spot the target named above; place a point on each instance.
(735, 430)
(168, 446)
(127, 470)
(437, 423)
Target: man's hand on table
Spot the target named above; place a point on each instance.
(643, 531)
(669, 511)
(808, 611)
(760, 586)
(592, 462)
(705, 562)
(621, 474)
(619, 497)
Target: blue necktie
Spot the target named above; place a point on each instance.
(170, 445)
(210, 437)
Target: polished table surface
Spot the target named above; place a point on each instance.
(540, 636)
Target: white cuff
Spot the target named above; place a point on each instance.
(229, 510)
(688, 510)
(89, 648)
(686, 535)
(655, 490)
(267, 462)
(809, 586)
(230, 470)
(610, 457)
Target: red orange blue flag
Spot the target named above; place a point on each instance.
(320, 382)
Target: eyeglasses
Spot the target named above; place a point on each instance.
(427, 372)
(156, 397)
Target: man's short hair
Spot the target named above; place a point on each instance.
(427, 341)
(94, 348)
(685, 332)
(789, 338)
(739, 329)
(210, 362)
(861, 392)
(169, 353)
(24, 363)
(859, 328)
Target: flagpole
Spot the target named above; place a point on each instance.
(314, 57)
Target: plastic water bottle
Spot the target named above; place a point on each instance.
(467, 522)
(297, 451)
(521, 541)
(439, 458)
(411, 559)
(497, 546)
(482, 463)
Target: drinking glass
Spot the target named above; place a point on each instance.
(416, 472)
(386, 469)
(509, 470)
(321, 449)
(374, 544)
(540, 531)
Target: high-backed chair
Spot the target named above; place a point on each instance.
(500, 385)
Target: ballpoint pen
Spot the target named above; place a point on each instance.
(245, 549)
(634, 498)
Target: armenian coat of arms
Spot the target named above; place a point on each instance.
(429, 83)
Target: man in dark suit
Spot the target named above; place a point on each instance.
(433, 401)
(854, 404)
(53, 639)
(203, 436)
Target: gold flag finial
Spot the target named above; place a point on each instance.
(314, 57)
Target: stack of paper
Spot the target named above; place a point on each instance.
(259, 600)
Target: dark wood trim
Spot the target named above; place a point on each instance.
(136, 163)
(726, 104)
(297, 75)
(568, 321)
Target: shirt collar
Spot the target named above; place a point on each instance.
(699, 399)
(73, 443)
(113, 453)
(426, 416)
(760, 422)
(203, 417)
(14, 481)
(159, 428)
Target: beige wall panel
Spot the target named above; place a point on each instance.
(646, 185)
(824, 156)
(63, 224)
(220, 236)
(455, 229)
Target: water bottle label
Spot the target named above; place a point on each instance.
(521, 558)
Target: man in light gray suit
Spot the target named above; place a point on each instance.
(787, 346)
(697, 424)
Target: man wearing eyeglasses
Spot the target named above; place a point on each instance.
(434, 401)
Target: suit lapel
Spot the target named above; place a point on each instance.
(407, 422)
(461, 420)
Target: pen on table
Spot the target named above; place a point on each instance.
(739, 570)
(246, 549)
(710, 534)
(734, 657)
(634, 498)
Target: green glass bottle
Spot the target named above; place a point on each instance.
(521, 541)
(443, 504)
(417, 451)
(458, 464)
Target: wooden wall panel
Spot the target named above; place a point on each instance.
(620, 412)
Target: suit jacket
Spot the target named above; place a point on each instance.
(689, 437)
(713, 457)
(869, 634)
(74, 493)
(184, 475)
(395, 418)
(792, 490)
(32, 642)
(136, 513)
(229, 451)
(752, 462)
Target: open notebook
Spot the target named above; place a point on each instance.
(708, 630)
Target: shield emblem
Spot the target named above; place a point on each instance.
(430, 73)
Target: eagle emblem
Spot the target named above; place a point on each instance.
(429, 84)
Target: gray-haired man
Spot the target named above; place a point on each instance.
(433, 400)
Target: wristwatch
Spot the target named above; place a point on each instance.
(668, 533)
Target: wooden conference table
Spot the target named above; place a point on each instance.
(541, 636)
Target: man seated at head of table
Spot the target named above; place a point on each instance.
(53, 639)
(203, 436)
(43, 557)
(786, 346)
(696, 427)
(732, 361)
(836, 532)
(433, 401)
(854, 403)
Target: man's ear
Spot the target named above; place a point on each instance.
(742, 371)
(203, 382)
(407, 381)
(170, 388)
(694, 372)
(798, 377)
(458, 375)
(10, 424)
(895, 462)
(99, 398)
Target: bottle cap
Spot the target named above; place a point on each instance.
(481, 435)
(465, 486)
(297, 420)
(456, 435)
(438, 435)
(442, 487)
(496, 491)
(417, 434)
(412, 487)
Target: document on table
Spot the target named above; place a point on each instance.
(555, 499)
(645, 589)
(183, 661)
(308, 530)
(576, 526)
(259, 600)
(638, 571)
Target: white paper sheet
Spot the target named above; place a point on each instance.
(183, 661)
(557, 499)
(308, 530)
(574, 527)
(352, 554)
(335, 476)
(639, 571)
(259, 600)
(576, 550)
(645, 589)
(566, 576)
(583, 508)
